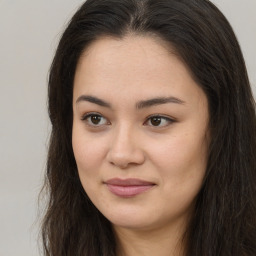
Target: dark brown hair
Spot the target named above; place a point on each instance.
(224, 222)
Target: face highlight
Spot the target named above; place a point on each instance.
(139, 132)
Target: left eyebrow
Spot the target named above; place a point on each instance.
(158, 101)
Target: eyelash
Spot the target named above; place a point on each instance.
(169, 120)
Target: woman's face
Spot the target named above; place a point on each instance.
(139, 132)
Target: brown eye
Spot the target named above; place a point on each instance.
(159, 121)
(95, 120)
(156, 121)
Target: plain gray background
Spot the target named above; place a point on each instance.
(29, 32)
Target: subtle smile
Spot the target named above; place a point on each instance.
(128, 187)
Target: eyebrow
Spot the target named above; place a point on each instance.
(158, 101)
(139, 105)
(94, 100)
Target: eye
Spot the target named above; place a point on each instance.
(94, 119)
(159, 121)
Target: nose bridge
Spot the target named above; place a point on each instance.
(123, 137)
(124, 148)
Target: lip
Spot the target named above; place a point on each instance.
(128, 187)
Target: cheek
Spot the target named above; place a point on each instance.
(89, 152)
(181, 165)
(181, 159)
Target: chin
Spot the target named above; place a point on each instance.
(132, 220)
(132, 224)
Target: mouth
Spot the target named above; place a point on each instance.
(128, 187)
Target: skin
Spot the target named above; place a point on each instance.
(127, 143)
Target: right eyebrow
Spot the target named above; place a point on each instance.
(94, 100)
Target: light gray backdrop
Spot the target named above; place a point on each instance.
(29, 32)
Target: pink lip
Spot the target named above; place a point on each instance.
(128, 187)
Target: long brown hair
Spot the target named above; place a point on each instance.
(224, 222)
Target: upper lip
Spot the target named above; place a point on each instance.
(128, 182)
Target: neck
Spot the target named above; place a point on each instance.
(167, 241)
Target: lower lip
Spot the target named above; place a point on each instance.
(128, 191)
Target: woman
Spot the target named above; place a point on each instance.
(153, 141)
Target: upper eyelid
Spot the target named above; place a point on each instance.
(150, 116)
(85, 115)
(162, 116)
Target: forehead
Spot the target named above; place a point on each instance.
(136, 65)
(132, 54)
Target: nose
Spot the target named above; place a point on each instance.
(125, 150)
